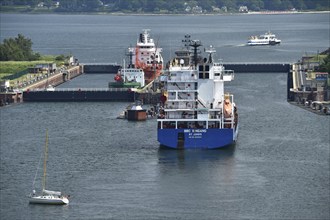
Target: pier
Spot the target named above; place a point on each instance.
(306, 92)
(90, 95)
(105, 68)
(80, 95)
(37, 92)
(258, 67)
(55, 79)
(100, 68)
(50, 79)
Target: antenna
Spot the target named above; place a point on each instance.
(186, 41)
(195, 44)
(210, 50)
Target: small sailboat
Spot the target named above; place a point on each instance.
(47, 196)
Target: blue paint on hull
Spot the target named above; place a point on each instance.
(196, 138)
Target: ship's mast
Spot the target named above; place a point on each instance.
(45, 163)
(129, 54)
(195, 44)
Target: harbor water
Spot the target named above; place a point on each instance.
(115, 169)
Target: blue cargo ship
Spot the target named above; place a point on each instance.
(196, 112)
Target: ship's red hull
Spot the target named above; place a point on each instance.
(150, 74)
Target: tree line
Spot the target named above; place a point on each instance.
(166, 6)
(17, 49)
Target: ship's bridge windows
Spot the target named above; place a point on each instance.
(145, 47)
(204, 75)
(203, 72)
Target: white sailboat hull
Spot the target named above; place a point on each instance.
(49, 200)
(48, 197)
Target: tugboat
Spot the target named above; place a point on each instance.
(195, 112)
(265, 39)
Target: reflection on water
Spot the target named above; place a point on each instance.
(183, 158)
(198, 163)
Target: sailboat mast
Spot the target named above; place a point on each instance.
(45, 162)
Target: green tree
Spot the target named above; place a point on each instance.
(18, 49)
(230, 4)
(68, 6)
(325, 65)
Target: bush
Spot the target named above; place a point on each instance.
(17, 49)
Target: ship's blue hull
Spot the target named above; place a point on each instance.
(196, 138)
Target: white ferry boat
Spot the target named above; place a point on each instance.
(265, 39)
(196, 112)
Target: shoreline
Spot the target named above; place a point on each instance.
(164, 14)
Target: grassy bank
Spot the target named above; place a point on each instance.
(17, 71)
(8, 68)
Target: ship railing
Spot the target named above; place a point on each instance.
(186, 96)
(183, 76)
(228, 75)
(182, 88)
(203, 115)
(179, 79)
(228, 123)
